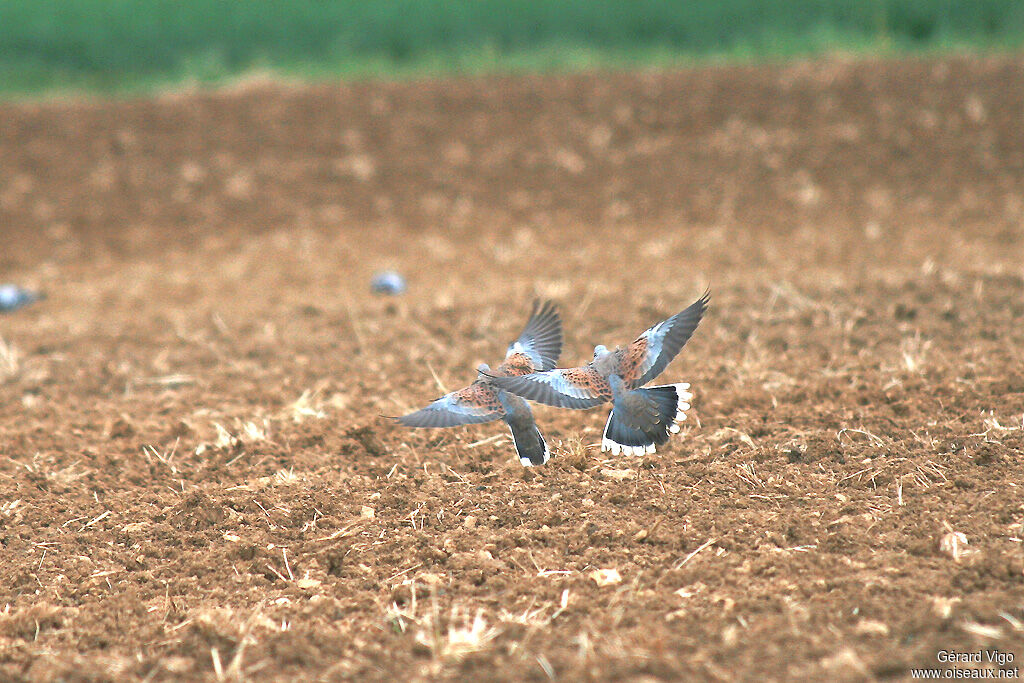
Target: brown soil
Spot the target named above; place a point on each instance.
(195, 482)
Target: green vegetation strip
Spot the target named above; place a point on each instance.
(125, 45)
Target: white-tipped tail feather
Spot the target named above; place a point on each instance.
(683, 391)
(545, 451)
(547, 456)
(606, 443)
(683, 398)
(616, 448)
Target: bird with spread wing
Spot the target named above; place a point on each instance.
(642, 417)
(537, 348)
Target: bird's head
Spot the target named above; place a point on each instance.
(599, 351)
(483, 369)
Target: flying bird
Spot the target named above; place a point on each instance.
(537, 348)
(641, 418)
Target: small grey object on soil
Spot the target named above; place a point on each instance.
(388, 282)
(13, 297)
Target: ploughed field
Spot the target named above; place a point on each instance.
(196, 481)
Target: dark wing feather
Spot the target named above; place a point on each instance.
(475, 404)
(650, 354)
(541, 339)
(576, 388)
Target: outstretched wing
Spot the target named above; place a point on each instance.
(653, 350)
(576, 388)
(540, 341)
(476, 403)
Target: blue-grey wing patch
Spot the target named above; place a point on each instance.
(576, 388)
(541, 339)
(475, 404)
(650, 354)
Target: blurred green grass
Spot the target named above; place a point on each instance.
(123, 45)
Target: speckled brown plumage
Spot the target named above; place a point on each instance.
(536, 348)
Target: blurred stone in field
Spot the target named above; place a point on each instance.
(13, 297)
(388, 282)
